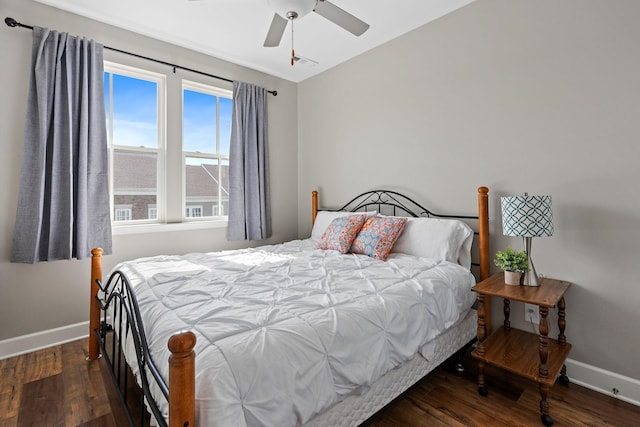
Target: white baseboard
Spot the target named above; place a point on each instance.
(602, 381)
(588, 376)
(39, 340)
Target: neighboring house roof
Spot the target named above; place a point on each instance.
(200, 179)
(135, 173)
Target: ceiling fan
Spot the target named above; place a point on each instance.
(290, 10)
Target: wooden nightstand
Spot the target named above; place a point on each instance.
(532, 356)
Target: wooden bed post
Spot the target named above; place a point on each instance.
(94, 308)
(483, 231)
(182, 380)
(485, 255)
(314, 206)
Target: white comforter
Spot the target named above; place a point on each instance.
(286, 331)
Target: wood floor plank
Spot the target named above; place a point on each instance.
(10, 390)
(588, 405)
(21, 370)
(103, 421)
(458, 394)
(40, 364)
(40, 403)
(85, 396)
(404, 413)
(467, 407)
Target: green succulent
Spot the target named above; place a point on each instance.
(512, 260)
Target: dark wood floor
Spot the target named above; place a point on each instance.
(57, 387)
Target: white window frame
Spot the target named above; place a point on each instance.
(160, 150)
(217, 92)
(170, 200)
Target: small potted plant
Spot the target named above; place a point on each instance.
(513, 263)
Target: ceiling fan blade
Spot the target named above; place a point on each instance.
(341, 18)
(276, 30)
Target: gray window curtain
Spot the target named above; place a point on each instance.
(63, 205)
(249, 200)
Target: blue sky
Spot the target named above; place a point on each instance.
(135, 116)
(199, 122)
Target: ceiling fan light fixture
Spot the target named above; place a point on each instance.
(301, 7)
(291, 10)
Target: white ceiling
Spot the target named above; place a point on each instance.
(235, 30)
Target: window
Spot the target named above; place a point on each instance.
(152, 212)
(194, 211)
(164, 173)
(206, 135)
(134, 128)
(122, 213)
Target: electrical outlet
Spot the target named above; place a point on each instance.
(532, 313)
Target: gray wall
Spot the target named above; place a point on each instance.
(539, 96)
(43, 296)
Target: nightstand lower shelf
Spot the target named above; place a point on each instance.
(516, 351)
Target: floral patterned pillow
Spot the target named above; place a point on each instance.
(377, 236)
(340, 233)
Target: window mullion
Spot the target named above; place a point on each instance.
(219, 190)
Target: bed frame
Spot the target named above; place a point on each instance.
(117, 296)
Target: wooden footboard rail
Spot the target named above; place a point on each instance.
(117, 303)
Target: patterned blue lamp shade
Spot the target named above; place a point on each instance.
(527, 216)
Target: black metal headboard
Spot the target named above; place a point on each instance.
(388, 202)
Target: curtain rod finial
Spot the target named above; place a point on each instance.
(10, 22)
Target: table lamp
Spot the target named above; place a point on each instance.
(527, 216)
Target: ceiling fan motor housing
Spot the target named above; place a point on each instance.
(300, 7)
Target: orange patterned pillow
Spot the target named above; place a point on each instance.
(377, 236)
(340, 233)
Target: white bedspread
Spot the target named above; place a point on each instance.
(285, 331)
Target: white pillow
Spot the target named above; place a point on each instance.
(440, 239)
(324, 218)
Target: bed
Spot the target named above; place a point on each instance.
(302, 333)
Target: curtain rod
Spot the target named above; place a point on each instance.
(13, 23)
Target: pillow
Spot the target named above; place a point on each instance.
(377, 236)
(340, 233)
(439, 239)
(324, 218)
